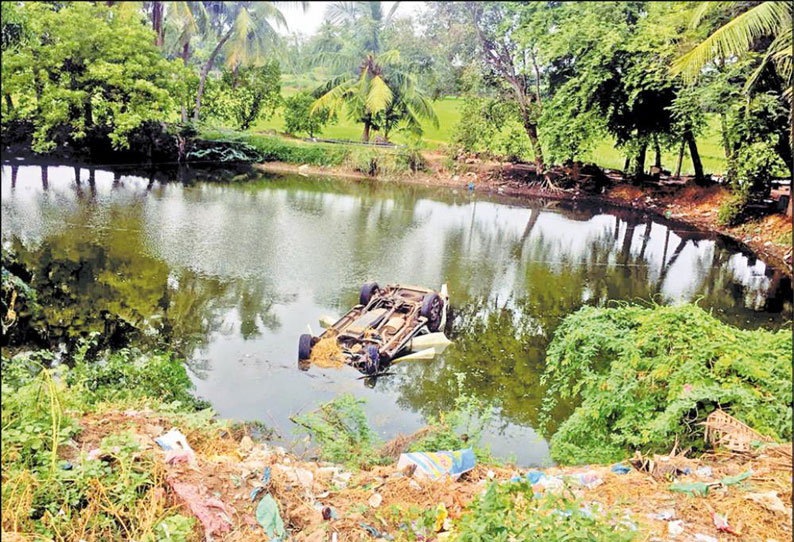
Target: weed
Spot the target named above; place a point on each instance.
(510, 511)
(460, 427)
(340, 430)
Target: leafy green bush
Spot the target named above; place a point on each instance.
(126, 373)
(509, 511)
(242, 96)
(298, 116)
(646, 376)
(340, 430)
(731, 211)
(492, 127)
(753, 167)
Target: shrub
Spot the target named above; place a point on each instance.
(299, 118)
(752, 167)
(127, 374)
(731, 211)
(275, 148)
(341, 432)
(509, 511)
(648, 376)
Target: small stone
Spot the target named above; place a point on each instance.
(375, 500)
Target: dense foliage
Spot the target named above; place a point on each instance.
(648, 376)
(118, 496)
(299, 118)
(245, 95)
(84, 69)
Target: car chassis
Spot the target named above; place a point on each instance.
(381, 327)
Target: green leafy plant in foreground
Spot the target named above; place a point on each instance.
(647, 376)
(54, 491)
(340, 430)
(509, 511)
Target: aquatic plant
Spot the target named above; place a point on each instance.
(647, 376)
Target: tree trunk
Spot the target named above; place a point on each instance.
(626, 165)
(158, 9)
(185, 56)
(724, 136)
(365, 136)
(205, 71)
(680, 159)
(639, 166)
(657, 162)
(693, 153)
(9, 103)
(532, 131)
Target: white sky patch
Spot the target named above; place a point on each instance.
(309, 20)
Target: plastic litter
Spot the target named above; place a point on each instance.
(675, 528)
(663, 515)
(441, 516)
(66, 466)
(694, 488)
(768, 500)
(438, 465)
(265, 481)
(731, 480)
(721, 523)
(176, 441)
(269, 518)
(373, 532)
(620, 468)
(700, 537)
(375, 500)
(174, 457)
(588, 479)
(210, 511)
(704, 472)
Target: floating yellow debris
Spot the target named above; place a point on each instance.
(327, 353)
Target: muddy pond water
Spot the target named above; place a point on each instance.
(229, 275)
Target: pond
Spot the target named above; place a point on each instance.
(229, 275)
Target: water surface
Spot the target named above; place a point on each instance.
(229, 275)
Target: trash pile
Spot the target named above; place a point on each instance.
(241, 490)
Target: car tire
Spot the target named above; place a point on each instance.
(432, 309)
(304, 347)
(367, 291)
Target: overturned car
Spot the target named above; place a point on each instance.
(388, 323)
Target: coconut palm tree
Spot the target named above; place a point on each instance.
(245, 32)
(736, 38)
(375, 86)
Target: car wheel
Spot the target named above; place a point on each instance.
(432, 307)
(304, 347)
(367, 291)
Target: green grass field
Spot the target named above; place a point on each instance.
(448, 111)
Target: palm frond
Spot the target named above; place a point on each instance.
(779, 53)
(734, 37)
(389, 58)
(333, 99)
(379, 95)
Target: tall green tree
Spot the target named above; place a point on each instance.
(245, 33)
(510, 60)
(746, 30)
(374, 85)
(87, 69)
